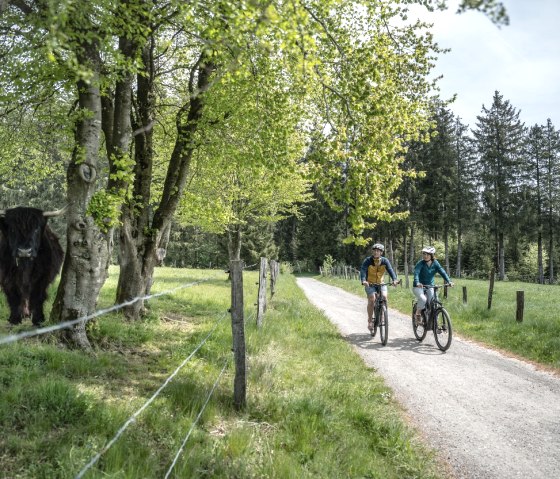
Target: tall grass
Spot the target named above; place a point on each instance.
(313, 408)
(536, 338)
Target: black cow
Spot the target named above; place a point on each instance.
(30, 259)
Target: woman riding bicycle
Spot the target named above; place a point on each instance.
(424, 274)
(372, 271)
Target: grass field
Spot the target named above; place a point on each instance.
(313, 408)
(537, 338)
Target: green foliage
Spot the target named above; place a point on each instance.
(328, 264)
(123, 173)
(104, 207)
(60, 407)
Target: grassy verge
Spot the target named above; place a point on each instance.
(313, 408)
(537, 338)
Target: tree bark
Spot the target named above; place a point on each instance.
(139, 237)
(411, 247)
(459, 249)
(446, 248)
(406, 281)
(86, 262)
(501, 257)
(540, 258)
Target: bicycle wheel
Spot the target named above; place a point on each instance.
(443, 331)
(420, 330)
(383, 324)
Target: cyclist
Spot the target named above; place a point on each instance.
(424, 273)
(373, 270)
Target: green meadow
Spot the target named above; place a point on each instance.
(313, 408)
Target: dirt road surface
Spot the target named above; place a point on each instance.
(487, 415)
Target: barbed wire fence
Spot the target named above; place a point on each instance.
(132, 418)
(84, 319)
(236, 347)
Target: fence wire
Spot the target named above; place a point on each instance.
(66, 324)
(195, 421)
(132, 418)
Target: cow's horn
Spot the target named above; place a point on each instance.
(50, 214)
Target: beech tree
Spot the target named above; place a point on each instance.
(127, 69)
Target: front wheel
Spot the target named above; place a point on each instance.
(442, 330)
(420, 330)
(383, 324)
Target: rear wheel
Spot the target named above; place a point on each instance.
(420, 330)
(383, 324)
(443, 331)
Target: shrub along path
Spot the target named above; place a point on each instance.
(487, 415)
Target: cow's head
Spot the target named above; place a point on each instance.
(23, 229)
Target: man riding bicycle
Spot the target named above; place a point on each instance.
(424, 274)
(372, 271)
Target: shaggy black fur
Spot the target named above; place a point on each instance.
(30, 259)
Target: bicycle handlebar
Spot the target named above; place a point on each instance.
(384, 284)
(436, 286)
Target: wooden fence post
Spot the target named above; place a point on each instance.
(274, 270)
(520, 306)
(464, 295)
(491, 289)
(445, 292)
(261, 301)
(238, 333)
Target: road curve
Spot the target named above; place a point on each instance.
(487, 415)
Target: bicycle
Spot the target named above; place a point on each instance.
(380, 314)
(434, 317)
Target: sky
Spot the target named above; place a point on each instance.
(520, 60)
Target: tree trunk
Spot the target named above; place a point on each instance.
(391, 253)
(551, 259)
(141, 238)
(234, 242)
(459, 249)
(87, 248)
(405, 249)
(540, 267)
(501, 257)
(446, 249)
(411, 247)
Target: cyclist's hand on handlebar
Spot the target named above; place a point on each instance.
(365, 283)
(451, 284)
(419, 285)
(395, 282)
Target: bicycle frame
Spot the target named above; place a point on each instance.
(436, 319)
(433, 304)
(380, 302)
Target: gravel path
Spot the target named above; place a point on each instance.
(487, 415)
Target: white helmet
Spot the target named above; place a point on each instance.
(429, 250)
(378, 246)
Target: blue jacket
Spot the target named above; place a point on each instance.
(425, 274)
(374, 270)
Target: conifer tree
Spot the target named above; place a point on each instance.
(465, 187)
(535, 173)
(499, 138)
(551, 180)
